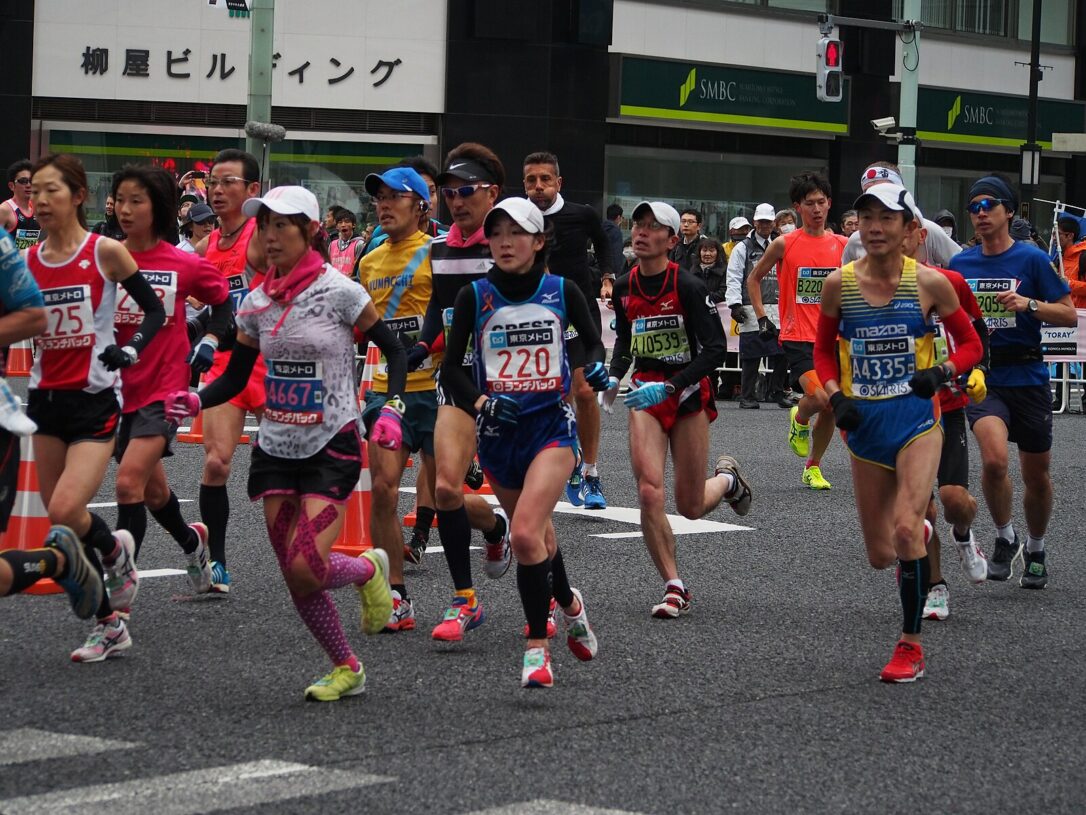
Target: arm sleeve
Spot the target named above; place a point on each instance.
(381, 336)
(221, 320)
(825, 350)
(210, 288)
(736, 263)
(583, 321)
(18, 289)
(704, 319)
(968, 349)
(154, 315)
(432, 324)
(454, 377)
(234, 378)
(599, 241)
(620, 354)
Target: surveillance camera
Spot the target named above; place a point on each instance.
(884, 124)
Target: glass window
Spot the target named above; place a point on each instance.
(982, 16)
(1057, 21)
(801, 5)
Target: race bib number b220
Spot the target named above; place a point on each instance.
(809, 284)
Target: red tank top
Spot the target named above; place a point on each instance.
(79, 306)
(806, 264)
(231, 262)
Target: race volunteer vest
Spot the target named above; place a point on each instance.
(342, 257)
(79, 305)
(231, 262)
(802, 271)
(659, 340)
(769, 283)
(881, 347)
(26, 229)
(521, 352)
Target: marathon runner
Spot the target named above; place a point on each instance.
(875, 354)
(74, 385)
(17, 212)
(308, 456)
(516, 318)
(668, 328)
(804, 258)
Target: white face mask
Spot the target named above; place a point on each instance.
(949, 230)
(786, 228)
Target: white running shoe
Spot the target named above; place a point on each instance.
(122, 579)
(12, 417)
(199, 568)
(935, 607)
(974, 564)
(105, 640)
(579, 635)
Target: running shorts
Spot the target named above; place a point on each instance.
(692, 400)
(149, 420)
(889, 426)
(75, 416)
(800, 356)
(506, 455)
(252, 398)
(1026, 411)
(330, 474)
(419, 418)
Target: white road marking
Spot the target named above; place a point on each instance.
(617, 535)
(28, 744)
(196, 791)
(544, 806)
(108, 504)
(145, 573)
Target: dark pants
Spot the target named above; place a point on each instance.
(776, 381)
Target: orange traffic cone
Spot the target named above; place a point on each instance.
(195, 433)
(29, 522)
(353, 538)
(373, 359)
(20, 359)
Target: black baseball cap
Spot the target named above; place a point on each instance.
(464, 169)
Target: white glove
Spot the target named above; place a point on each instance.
(607, 397)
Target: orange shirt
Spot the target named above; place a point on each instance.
(806, 264)
(1074, 271)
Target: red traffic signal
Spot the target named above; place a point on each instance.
(833, 54)
(829, 82)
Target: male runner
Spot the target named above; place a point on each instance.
(804, 259)
(1017, 291)
(668, 328)
(573, 226)
(881, 376)
(345, 247)
(17, 212)
(234, 249)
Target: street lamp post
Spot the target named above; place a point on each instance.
(1031, 151)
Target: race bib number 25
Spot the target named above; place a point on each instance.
(69, 318)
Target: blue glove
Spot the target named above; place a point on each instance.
(499, 411)
(595, 374)
(203, 354)
(649, 394)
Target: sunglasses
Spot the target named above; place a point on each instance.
(985, 205)
(466, 191)
(23, 181)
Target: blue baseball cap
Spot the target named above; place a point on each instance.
(398, 178)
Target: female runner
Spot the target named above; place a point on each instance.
(309, 454)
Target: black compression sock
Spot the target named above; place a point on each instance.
(215, 512)
(563, 594)
(534, 585)
(28, 566)
(104, 608)
(455, 531)
(99, 537)
(169, 518)
(498, 532)
(133, 518)
(915, 577)
(424, 519)
(401, 589)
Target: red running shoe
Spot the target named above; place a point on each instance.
(906, 665)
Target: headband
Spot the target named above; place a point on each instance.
(877, 175)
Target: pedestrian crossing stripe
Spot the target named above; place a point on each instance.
(544, 806)
(28, 744)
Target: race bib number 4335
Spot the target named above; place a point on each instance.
(882, 367)
(809, 284)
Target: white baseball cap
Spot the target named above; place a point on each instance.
(893, 197)
(738, 222)
(765, 212)
(285, 201)
(526, 215)
(665, 214)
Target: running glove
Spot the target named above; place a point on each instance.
(500, 412)
(739, 313)
(845, 413)
(115, 357)
(977, 386)
(387, 431)
(416, 355)
(203, 354)
(649, 394)
(595, 374)
(181, 404)
(927, 381)
(607, 397)
(766, 328)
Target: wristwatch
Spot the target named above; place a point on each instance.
(1031, 306)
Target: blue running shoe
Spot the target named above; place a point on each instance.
(593, 493)
(220, 578)
(575, 487)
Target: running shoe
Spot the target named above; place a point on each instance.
(375, 593)
(974, 564)
(498, 555)
(552, 621)
(935, 607)
(402, 617)
(459, 617)
(739, 496)
(105, 640)
(576, 488)
(122, 579)
(199, 568)
(593, 493)
(342, 681)
(536, 671)
(474, 477)
(12, 417)
(798, 435)
(1035, 574)
(813, 478)
(220, 578)
(414, 549)
(906, 665)
(81, 580)
(1001, 564)
(676, 601)
(579, 635)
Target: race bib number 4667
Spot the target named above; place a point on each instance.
(295, 392)
(809, 284)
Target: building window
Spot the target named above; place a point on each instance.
(997, 17)
(1057, 21)
(797, 5)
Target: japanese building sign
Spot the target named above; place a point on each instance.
(88, 49)
(967, 117)
(726, 95)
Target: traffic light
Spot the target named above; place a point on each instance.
(829, 81)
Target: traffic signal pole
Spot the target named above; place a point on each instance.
(260, 67)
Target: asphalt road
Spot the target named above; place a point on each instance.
(763, 699)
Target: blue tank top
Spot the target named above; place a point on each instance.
(881, 347)
(520, 350)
